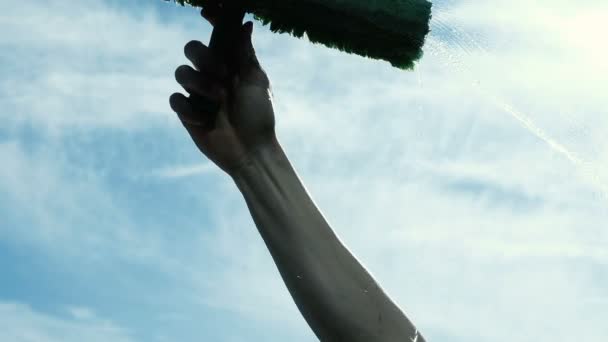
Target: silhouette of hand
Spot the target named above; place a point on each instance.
(245, 119)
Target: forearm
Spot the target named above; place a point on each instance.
(336, 295)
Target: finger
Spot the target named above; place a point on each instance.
(195, 82)
(204, 60)
(182, 107)
(247, 59)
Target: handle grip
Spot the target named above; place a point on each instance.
(223, 43)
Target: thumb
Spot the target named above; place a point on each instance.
(246, 59)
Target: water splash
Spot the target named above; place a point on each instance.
(451, 44)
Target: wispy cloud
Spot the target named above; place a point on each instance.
(479, 227)
(78, 68)
(81, 313)
(182, 171)
(22, 323)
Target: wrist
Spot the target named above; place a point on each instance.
(258, 160)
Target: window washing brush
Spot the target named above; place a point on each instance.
(389, 30)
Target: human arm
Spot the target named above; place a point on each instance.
(336, 295)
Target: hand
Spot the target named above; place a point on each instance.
(245, 120)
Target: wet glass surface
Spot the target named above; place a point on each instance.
(474, 187)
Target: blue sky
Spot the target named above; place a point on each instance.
(474, 188)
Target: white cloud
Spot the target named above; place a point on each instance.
(478, 227)
(87, 64)
(21, 323)
(181, 171)
(81, 313)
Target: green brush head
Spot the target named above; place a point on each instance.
(390, 30)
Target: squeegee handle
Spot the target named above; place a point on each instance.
(223, 42)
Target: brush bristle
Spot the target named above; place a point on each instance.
(390, 30)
